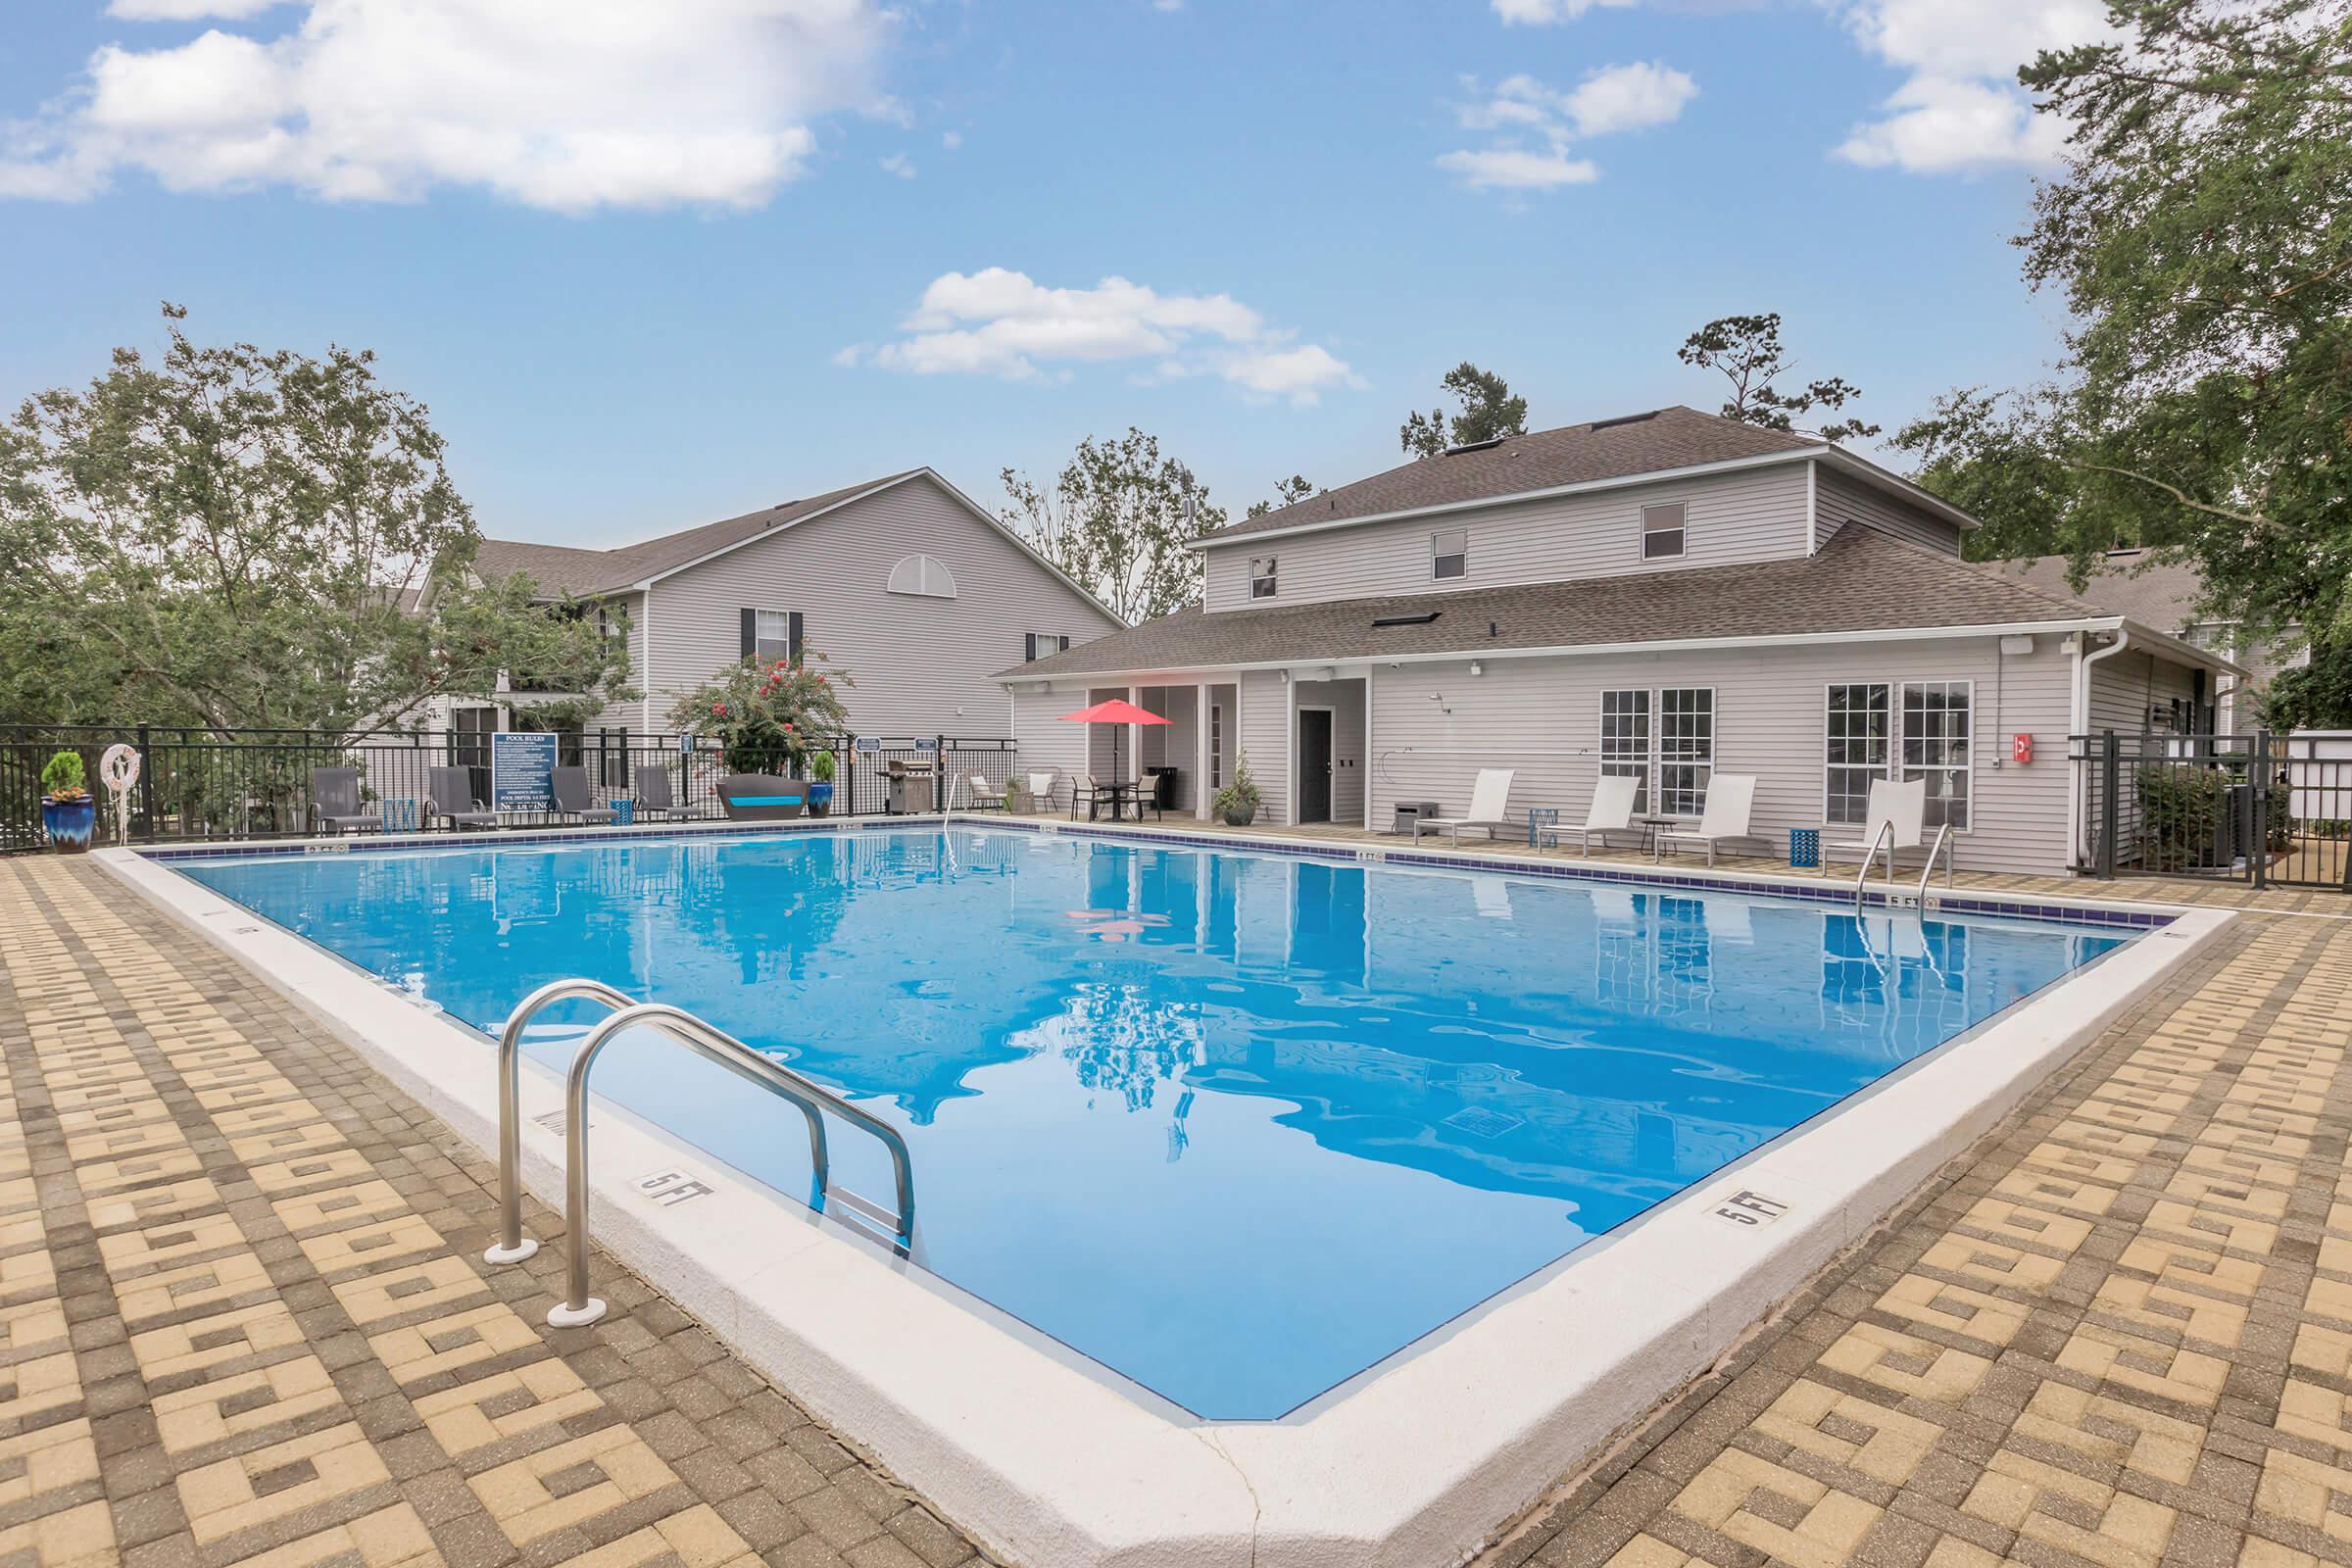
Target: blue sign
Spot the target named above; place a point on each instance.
(867, 744)
(521, 770)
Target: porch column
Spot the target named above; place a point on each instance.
(1201, 753)
(1135, 734)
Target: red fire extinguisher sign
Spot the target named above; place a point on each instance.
(2021, 748)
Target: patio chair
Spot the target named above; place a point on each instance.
(1611, 811)
(1490, 798)
(335, 802)
(569, 786)
(979, 795)
(1900, 807)
(1084, 791)
(449, 798)
(1731, 801)
(1042, 782)
(656, 798)
(760, 797)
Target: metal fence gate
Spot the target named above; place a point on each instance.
(2270, 810)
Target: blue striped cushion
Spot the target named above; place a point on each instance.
(765, 800)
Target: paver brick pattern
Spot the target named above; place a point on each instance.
(242, 1320)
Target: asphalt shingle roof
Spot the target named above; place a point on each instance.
(1667, 438)
(564, 570)
(2163, 597)
(1862, 580)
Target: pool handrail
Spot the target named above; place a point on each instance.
(724, 1049)
(512, 1245)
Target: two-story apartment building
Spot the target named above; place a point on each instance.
(914, 590)
(1664, 595)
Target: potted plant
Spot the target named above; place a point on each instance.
(768, 717)
(1237, 801)
(67, 813)
(820, 790)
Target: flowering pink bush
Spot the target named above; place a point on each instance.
(767, 716)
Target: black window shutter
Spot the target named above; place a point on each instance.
(792, 645)
(1030, 657)
(1065, 642)
(751, 632)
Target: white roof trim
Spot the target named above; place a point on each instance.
(1861, 467)
(1899, 634)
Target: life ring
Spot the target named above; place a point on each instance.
(118, 769)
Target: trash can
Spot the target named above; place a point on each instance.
(1411, 812)
(1163, 787)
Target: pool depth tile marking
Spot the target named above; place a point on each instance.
(238, 1323)
(2120, 1338)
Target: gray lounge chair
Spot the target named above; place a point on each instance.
(981, 795)
(335, 802)
(569, 786)
(655, 795)
(448, 797)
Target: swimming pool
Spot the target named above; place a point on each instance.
(1234, 1125)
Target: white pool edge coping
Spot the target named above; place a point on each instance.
(1050, 1466)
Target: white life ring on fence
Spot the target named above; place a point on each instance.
(118, 769)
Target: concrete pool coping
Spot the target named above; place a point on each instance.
(1419, 1461)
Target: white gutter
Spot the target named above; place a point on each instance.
(2079, 723)
(1836, 456)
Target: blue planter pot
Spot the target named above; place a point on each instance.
(820, 799)
(68, 824)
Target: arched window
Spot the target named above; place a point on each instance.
(927, 576)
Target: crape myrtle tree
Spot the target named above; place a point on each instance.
(2201, 237)
(1117, 520)
(237, 538)
(1489, 411)
(1747, 351)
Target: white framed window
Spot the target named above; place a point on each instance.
(772, 637)
(1662, 530)
(1857, 730)
(925, 575)
(1040, 644)
(1217, 746)
(1938, 720)
(1263, 577)
(1625, 741)
(1448, 553)
(1685, 749)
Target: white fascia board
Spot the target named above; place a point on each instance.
(1676, 645)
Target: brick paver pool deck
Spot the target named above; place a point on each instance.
(242, 1320)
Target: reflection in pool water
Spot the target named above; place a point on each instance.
(1236, 1125)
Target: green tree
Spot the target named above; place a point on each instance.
(768, 715)
(1489, 411)
(2312, 695)
(1747, 350)
(2202, 237)
(1287, 493)
(240, 538)
(1118, 520)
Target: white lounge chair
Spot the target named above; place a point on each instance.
(1897, 807)
(1490, 798)
(1611, 811)
(1731, 797)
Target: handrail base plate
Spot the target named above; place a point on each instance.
(560, 1316)
(514, 1255)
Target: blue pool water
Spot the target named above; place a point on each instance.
(1237, 1125)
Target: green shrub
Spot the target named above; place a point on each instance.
(62, 778)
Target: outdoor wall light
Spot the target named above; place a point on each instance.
(1478, 667)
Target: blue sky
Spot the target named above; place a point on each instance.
(645, 279)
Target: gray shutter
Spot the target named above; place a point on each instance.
(1065, 642)
(751, 632)
(792, 644)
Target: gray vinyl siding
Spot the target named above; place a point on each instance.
(1265, 741)
(1541, 717)
(920, 666)
(2125, 686)
(634, 716)
(1045, 743)
(1759, 515)
(1345, 700)
(1840, 500)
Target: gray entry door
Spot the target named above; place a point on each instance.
(1314, 765)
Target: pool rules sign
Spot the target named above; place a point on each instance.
(522, 768)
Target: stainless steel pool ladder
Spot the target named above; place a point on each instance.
(1941, 849)
(711, 1043)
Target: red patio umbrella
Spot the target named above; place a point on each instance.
(1117, 711)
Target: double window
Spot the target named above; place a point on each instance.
(1919, 729)
(1449, 554)
(1662, 530)
(1262, 576)
(1682, 761)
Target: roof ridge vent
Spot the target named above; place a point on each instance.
(1624, 418)
(1476, 446)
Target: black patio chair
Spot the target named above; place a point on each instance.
(449, 798)
(569, 786)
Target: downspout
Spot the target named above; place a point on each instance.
(2079, 724)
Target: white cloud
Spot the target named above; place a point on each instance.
(997, 321)
(899, 164)
(1544, 12)
(564, 104)
(1534, 128)
(1961, 110)
(950, 139)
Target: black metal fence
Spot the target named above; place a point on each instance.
(2264, 809)
(203, 786)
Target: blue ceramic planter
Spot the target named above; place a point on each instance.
(68, 824)
(820, 799)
